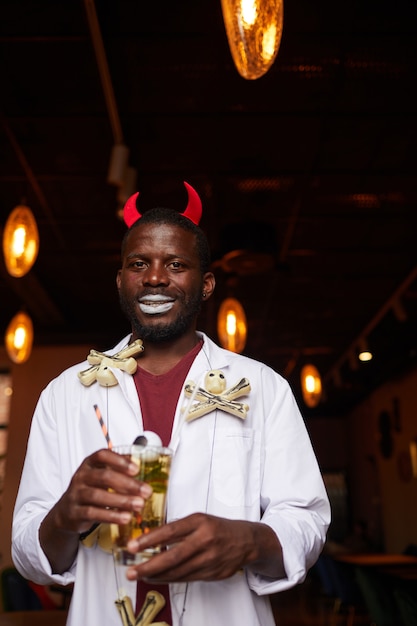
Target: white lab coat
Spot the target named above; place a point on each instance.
(260, 468)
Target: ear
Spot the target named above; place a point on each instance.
(118, 279)
(209, 283)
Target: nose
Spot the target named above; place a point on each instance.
(156, 274)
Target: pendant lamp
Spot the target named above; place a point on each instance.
(364, 353)
(254, 31)
(19, 338)
(20, 241)
(232, 325)
(311, 385)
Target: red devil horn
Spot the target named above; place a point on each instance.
(130, 212)
(194, 208)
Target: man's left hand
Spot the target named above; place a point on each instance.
(205, 547)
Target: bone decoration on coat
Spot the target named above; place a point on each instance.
(101, 365)
(153, 604)
(216, 396)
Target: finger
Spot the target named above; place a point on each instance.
(167, 534)
(105, 499)
(183, 559)
(180, 565)
(108, 516)
(78, 518)
(108, 458)
(110, 481)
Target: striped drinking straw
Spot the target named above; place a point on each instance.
(103, 427)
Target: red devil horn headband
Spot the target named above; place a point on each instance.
(193, 211)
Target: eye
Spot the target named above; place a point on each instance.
(137, 263)
(176, 265)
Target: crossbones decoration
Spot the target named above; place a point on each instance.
(154, 602)
(216, 396)
(101, 363)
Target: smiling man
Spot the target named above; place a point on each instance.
(161, 294)
(247, 511)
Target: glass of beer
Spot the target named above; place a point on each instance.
(154, 463)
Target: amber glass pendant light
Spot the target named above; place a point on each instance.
(20, 241)
(311, 385)
(19, 338)
(232, 325)
(254, 31)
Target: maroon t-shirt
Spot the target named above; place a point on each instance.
(158, 397)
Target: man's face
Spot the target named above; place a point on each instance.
(160, 284)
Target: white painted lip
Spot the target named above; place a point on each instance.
(155, 304)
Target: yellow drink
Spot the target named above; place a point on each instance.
(154, 464)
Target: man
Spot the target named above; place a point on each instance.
(247, 510)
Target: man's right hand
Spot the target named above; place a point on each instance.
(103, 489)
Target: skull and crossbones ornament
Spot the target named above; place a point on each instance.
(101, 365)
(216, 396)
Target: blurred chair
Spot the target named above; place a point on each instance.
(378, 594)
(411, 549)
(322, 569)
(406, 599)
(338, 582)
(17, 594)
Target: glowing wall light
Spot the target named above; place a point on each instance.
(311, 385)
(254, 31)
(20, 241)
(231, 325)
(19, 338)
(364, 353)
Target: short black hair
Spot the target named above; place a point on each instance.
(162, 215)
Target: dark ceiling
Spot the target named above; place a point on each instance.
(309, 169)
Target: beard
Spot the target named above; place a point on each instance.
(163, 331)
